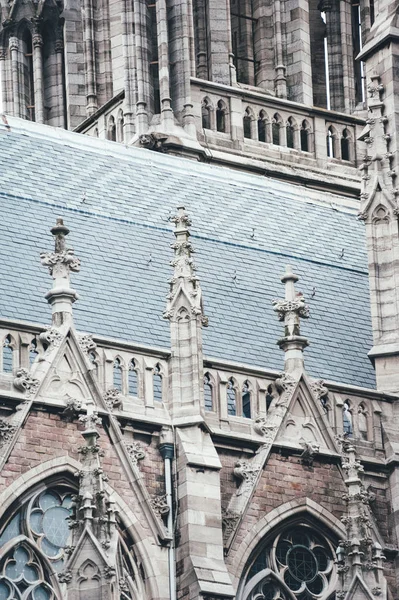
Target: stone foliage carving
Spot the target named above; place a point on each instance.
(248, 473)
(229, 522)
(24, 382)
(87, 343)
(135, 451)
(60, 263)
(298, 306)
(7, 432)
(51, 337)
(160, 505)
(113, 398)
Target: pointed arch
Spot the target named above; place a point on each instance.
(133, 378)
(209, 392)
(292, 133)
(111, 129)
(207, 111)
(263, 127)
(222, 117)
(246, 399)
(158, 383)
(305, 136)
(120, 124)
(333, 146)
(250, 124)
(231, 391)
(9, 354)
(347, 145)
(278, 130)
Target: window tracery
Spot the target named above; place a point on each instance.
(208, 396)
(231, 398)
(132, 378)
(157, 384)
(297, 563)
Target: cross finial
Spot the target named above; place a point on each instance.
(290, 310)
(60, 263)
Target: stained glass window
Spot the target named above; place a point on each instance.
(302, 562)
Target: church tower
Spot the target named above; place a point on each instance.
(261, 85)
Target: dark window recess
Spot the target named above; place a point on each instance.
(290, 135)
(153, 55)
(261, 130)
(276, 133)
(29, 94)
(206, 116)
(243, 34)
(208, 393)
(247, 126)
(246, 401)
(345, 152)
(231, 398)
(304, 138)
(221, 118)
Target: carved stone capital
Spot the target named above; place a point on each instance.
(113, 398)
(37, 40)
(135, 452)
(297, 306)
(13, 43)
(87, 343)
(51, 337)
(160, 505)
(60, 263)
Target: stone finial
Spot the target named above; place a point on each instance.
(290, 310)
(60, 263)
(184, 279)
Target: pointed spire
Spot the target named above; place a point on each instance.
(60, 263)
(290, 310)
(184, 277)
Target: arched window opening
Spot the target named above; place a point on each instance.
(298, 562)
(347, 418)
(157, 382)
(221, 117)
(33, 351)
(362, 421)
(111, 129)
(247, 124)
(95, 132)
(153, 57)
(276, 130)
(243, 26)
(208, 393)
(262, 127)
(269, 397)
(117, 374)
(29, 93)
(345, 145)
(206, 115)
(8, 353)
(120, 136)
(330, 143)
(231, 398)
(304, 137)
(133, 383)
(290, 133)
(246, 400)
(94, 361)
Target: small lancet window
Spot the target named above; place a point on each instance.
(157, 382)
(7, 355)
(33, 351)
(246, 400)
(208, 395)
(94, 362)
(362, 415)
(330, 143)
(206, 115)
(345, 141)
(261, 127)
(304, 137)
(276, 130)
(133, 387)
(111, 133)
(117, 374)
(269, 397)
(347, 418)
(231, 398)
(290, 133)
(221, 117)
(247, 124)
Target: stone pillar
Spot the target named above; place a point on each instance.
(14, 51)
(90, 58)
(263, 11)
(59, 61)
(201, 50)
(142, 67)
(3, 79)
(163, 65)
(218, 41)
(280, 81)
(129, 71)
(37, 45)
(297, 56)
(348, 74)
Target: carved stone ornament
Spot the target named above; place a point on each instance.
(90, 420)
(265, 429)
(65, 576)
(310, 449)
(376, 591)
(113, 398)
(319, 389)
(135, 451)
(72, 409)
(298, 306)
(87, 343)
(248, 473)
(7, 431)
(109, 572)
(60, 263)
(229, 522)
(160, 505)
(24, 382)
(51, 337)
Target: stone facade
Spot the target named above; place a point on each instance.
(134, 472)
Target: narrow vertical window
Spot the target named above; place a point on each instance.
(362, 421)
(358, 66)
(7, 355)
(247, 124)
(304, 137)
(33, 351)
(221, 117)
(290, 133)
(269, 397)
(29, 94)
(111, 129)
(345, 142)
(242, 31)
(347, 418)
(94, 362)
(246, 400)
(153, 58)
(206, 114)
(276, 130)
(133, 387)
(120, 136)
(231, 398)
(157, 383)
(330, 143)
(262, 127)
(118, 374)
(208, 395)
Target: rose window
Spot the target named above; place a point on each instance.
(303, 562)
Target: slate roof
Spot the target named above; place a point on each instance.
(117, 202)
